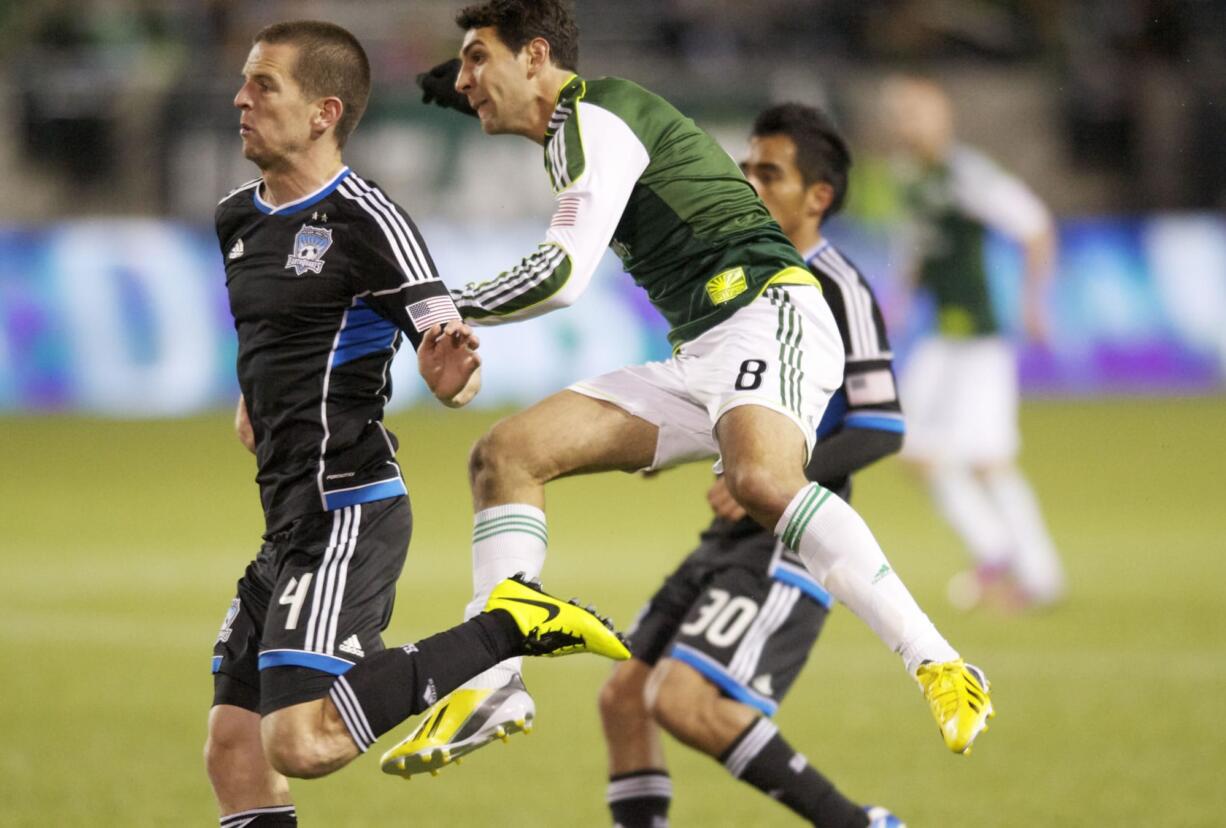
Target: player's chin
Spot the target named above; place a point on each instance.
(253, 154)
(490, 125)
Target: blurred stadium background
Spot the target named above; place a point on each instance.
(127, 509)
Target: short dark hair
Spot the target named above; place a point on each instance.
(518, 22)
(821, 152)
(331, 63)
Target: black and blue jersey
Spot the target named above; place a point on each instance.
(868, 398)
(321, 290)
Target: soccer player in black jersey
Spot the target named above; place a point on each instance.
(325, 274)
(723, 639)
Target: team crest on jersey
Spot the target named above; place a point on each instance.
(310, 245)
(726, 286)
(227, 626)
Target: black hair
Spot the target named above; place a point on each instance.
(821, 152)
(518, 22)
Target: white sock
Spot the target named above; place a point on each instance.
(1035, 564)
(965, 504)
(840, 551)
(506, 540)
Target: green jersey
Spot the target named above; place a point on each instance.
(954, 206)
(630, 171)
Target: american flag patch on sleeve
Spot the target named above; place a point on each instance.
(567, 212)
(871, 388)
(432, 310)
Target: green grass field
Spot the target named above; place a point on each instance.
(121, 543)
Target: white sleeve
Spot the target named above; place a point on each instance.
(998, 199)
(594, 161)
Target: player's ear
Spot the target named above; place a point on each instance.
(539, 55)
(818, 198)
(328, 112)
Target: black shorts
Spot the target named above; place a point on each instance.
(741, 610)
(311, 605)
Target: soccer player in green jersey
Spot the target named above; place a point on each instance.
(720, 643)
(960, 386)
(757, 355)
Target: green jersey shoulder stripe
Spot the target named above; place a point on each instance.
(630, 171)
(593, 159)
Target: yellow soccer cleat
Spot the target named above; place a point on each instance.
(552, 627)
(958, 694)
(468, 719)
(458, 724)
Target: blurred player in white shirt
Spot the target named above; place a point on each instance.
(960, 387)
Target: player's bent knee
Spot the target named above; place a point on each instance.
(679, 715)
(496, 455)
(621, 697)
(760, 491)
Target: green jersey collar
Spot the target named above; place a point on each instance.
(568, 96)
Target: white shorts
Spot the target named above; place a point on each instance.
(960, 400)
(781, 351)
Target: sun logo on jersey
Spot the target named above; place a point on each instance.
(310, 244)
(726, 286)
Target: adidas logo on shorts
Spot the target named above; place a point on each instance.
(352, 646)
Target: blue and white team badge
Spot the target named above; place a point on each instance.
(227, 626)
(310, 245)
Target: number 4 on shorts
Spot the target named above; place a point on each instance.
(295, 596)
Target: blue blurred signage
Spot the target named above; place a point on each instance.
(130, 318)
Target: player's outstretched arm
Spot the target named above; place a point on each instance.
(1040, 256)
(447, 360)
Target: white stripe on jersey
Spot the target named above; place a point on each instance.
(379, 214)
(523, 277)
(398, 222)
(539, 267)
(240, 188)
(559, 116)
(563, 169)
(857, 302)
(323, 407)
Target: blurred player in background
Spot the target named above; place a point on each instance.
(719, 645)
(325, 275)
(960, 386)
(757, 355)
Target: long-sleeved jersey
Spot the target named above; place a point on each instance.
(630, 171)
(953, 206)
(321, 290)
(867, 401)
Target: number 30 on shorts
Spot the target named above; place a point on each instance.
(751, 375)
(724, 618)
